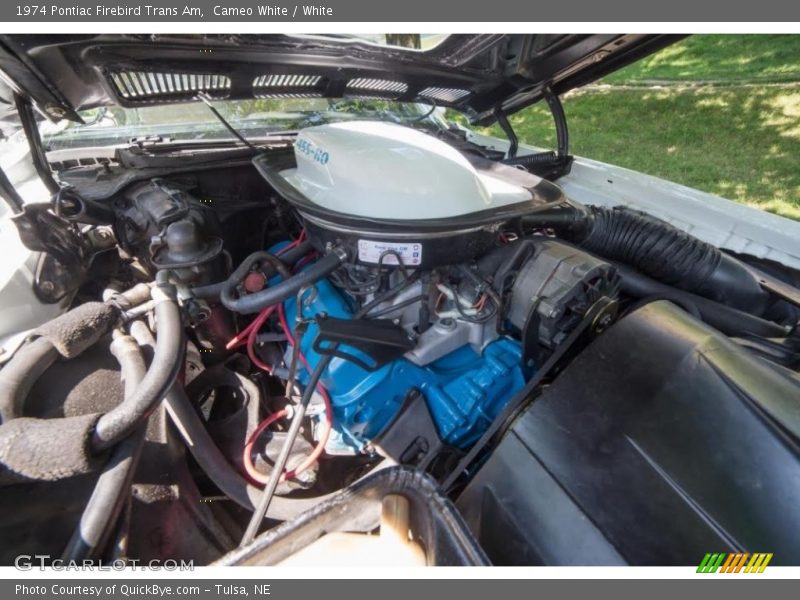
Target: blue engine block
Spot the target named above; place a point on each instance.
(464, 390)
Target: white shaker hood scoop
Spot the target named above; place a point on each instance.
(381, 170)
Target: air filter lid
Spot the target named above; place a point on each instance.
(380, 170)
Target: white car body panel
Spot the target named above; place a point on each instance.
(20, 309)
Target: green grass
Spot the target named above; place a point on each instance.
(719, 58)
(740, 142)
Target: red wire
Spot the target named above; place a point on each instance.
(252, 336)
(288, 247)
(328, 424)
(325, 433)
(243, 336)
(240, 337)
(249, 467)
(249, 336)
(293, 244)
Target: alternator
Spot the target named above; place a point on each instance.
(553, 291)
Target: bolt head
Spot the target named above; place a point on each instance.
(56, 112)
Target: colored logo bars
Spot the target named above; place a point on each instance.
(743, 562)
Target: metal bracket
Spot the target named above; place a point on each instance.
(382, 340)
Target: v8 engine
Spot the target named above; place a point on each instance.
(373, 311)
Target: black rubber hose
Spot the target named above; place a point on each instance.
(213, 291)
(20, 373)
(652, 246)
(671, 256)
(728, 320)
(253, 303)
(568, 218)
(229, 291)
(529, 160)
(228, 287)
(125, 418)
(657, 249)
(110, 492)
(292, 256)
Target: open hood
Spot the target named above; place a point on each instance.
(475, 74)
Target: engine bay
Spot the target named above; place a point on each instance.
(252, 345)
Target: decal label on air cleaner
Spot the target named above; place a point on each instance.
(409, 252)
(306, 148)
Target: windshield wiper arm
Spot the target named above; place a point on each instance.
(207, 99)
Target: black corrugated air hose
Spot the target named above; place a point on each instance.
(657, 249)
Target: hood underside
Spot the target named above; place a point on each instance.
(475, 74)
